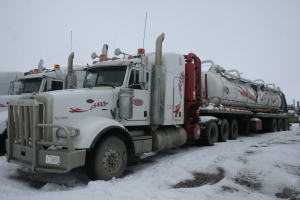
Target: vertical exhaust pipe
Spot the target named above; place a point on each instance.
(41, 63)
(70, 71)
(70, 64)
(104, 49)
(158, 92)
(158, 53)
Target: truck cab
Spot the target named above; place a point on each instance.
(130, 106)
(38, 81)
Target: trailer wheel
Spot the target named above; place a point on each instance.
(108, 160)
(233, 129)
(286, 124)
(272, 125)
(3, 138)
(279, 125)
(244, 128)
(223, 131)
(211, 134)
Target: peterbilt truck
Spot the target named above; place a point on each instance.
(137, 105)
(38, 81)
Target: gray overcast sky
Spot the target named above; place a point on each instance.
(257, 37)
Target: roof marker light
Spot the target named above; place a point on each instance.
(56, 66)
(141, 51)
(103, 57)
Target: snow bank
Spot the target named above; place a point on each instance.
(258, 166)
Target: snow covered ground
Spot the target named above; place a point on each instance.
(259, 166)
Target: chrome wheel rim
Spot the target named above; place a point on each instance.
(112, 160)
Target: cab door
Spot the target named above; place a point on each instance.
(141, 99)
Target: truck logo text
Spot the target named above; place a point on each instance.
(138, 102)
(177, 109)
(1, 105)
(95, 105)
(181, 82)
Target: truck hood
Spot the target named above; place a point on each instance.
(71, 106)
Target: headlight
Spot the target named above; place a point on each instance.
(61, 133)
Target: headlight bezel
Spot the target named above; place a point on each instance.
(74, 132)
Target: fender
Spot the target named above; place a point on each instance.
(92, 128)
(3, 118)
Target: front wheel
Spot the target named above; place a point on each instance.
(108, 159)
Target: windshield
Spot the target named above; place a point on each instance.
(30, 85)
(105, 76)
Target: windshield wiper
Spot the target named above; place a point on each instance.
(105, 84)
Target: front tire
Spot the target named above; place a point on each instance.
(107, 160)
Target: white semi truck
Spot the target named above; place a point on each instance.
(137, 105)
(38, 81)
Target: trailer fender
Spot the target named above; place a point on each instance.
(92, 128)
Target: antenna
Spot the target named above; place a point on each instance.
(145, 30)
(71, 41)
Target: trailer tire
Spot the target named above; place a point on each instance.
(244, 128)
(271, 125)
(3, 138)
(223, 130)
(211, 134)
(233, 129)
(107, 160)
(286, 124)
(279, 125)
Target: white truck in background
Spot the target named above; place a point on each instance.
(9, 82)
(38, 81)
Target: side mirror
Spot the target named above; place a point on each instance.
(143, 73)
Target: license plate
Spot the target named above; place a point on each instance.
(53, 160)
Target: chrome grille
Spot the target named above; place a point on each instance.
(24, 116)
